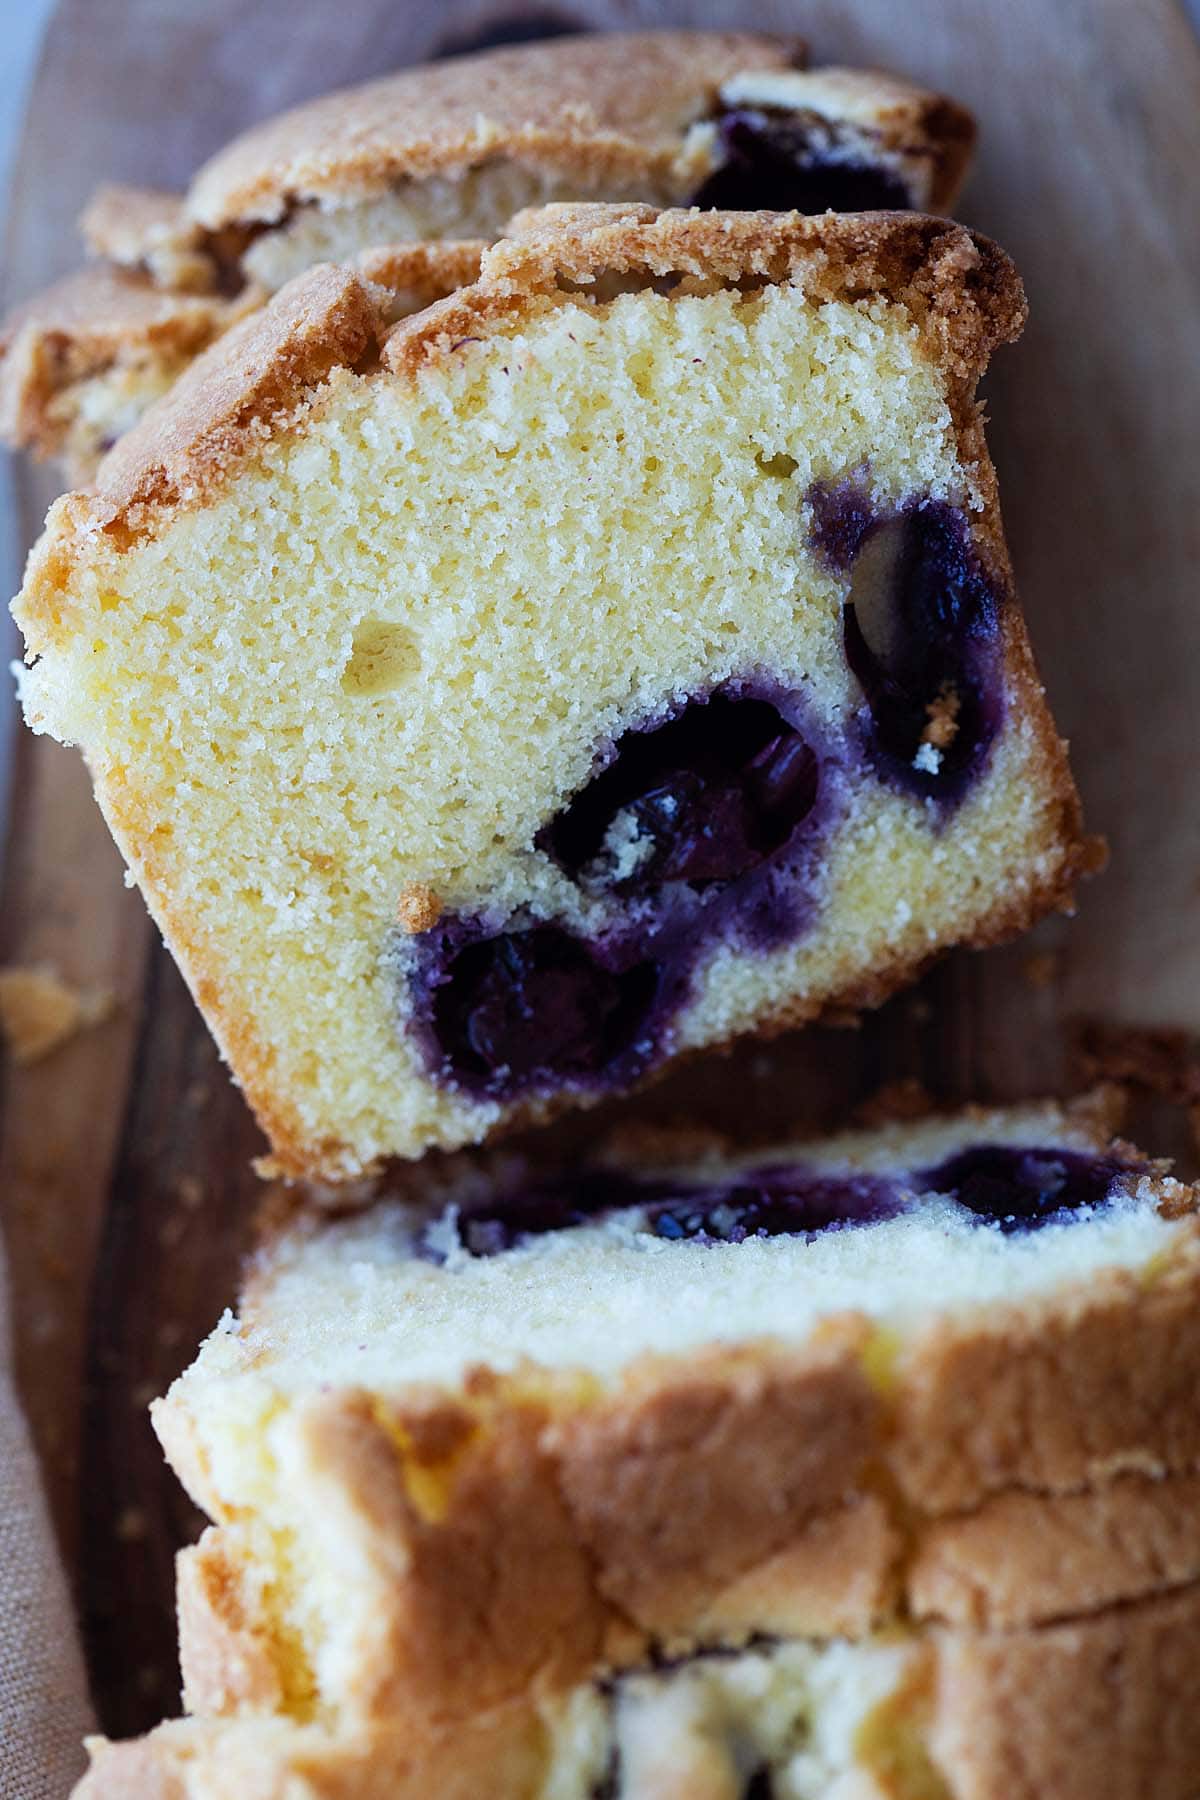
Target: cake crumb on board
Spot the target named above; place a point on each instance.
(39, 1011)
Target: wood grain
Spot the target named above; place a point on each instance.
(123, 1160)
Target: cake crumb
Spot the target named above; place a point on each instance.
(417, 908)
(39, 1011)
(942, 728)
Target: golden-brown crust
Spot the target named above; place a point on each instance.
(149, 230)
(102, 319)
(599, 106)
(1024, 1558)
(413, 276)
(598, 109)
(535, 1526)
(1097, 1382)
(86, 324)
(961, 288)
(229, 400)
(1103, 1708)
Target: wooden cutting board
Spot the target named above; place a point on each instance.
(124, 1157)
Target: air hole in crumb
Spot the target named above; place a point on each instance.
(384, 656)
(782, 466)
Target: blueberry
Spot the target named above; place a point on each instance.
(705, 828)
(524, 1009)
(1021, 1189)
(554, 1203)
(705, 798)
(767, 1202)
(774, 1202)
(921, 630)
(795, 161)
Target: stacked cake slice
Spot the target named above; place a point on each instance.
(435, 156)
(845, 1468)
(514, 657)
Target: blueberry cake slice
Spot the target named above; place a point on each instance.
(698, 1473)
(615, 658)
(434, 155)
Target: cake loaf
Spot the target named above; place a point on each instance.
(435, 155)
(837, 1469)
(613, 659)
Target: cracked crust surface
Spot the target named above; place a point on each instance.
(105, 323)
(603, 106)
(615, 113)
(88, 324)
(961, 287)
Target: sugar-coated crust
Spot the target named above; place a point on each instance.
(258, 375)
(1017, 1466)
(961, 287)
(100, 318)
(1103, 1708)
(145, 228)
(256, 381)
(84, 324)
(568, 108)
(600, 107)
(419, 274)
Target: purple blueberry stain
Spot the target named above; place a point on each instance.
(1019, 1188)
(774, 1201)
(921, 629)
(792, 1201)
(702, 827)
(796, 161)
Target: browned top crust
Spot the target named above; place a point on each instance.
(960, 287)
(413, 276)
(99, 308)
(230, 398)
(601, 102)
(84, 324)
(962, 290)
(138, 227)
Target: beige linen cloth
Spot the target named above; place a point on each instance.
(44, 1708)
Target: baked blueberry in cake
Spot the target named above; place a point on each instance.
(613, 659)
(697, 1472)
(444, 154)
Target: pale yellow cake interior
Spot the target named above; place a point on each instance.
(391, 647)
